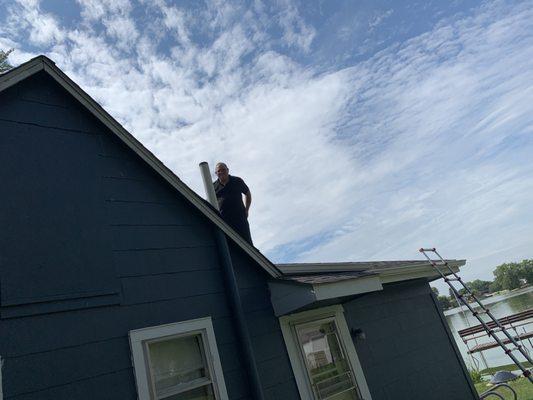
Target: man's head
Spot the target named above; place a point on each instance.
(222, 172)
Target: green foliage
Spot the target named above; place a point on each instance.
(522, 387)
(508, 276)
(495, 287)
(444, 302)
(525, 271)
(475, 376)
(4, 63)
(478, 286)
(435, 290)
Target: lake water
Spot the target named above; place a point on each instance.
(500, 306)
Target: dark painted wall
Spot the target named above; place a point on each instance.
(94, 244)
(407, 353)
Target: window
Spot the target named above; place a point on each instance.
(323, 356)
(178, 362)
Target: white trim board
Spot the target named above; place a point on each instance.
(42, 63)
(288, 296)
(298, 364)
(200, 325)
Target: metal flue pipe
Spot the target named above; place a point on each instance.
(233, 291)
(208, 184)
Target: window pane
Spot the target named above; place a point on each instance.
(177, 361)
(201, 393)
(328, 368)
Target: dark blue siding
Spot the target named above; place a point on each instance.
(105, 225)
(407, 353)
(269, 347)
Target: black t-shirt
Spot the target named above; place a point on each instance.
(229, 198)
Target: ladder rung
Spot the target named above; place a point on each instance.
(423, 250)
(453, 279)
(507, 351)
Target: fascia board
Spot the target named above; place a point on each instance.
(427, 272)
(68, 84)
(20, 73)
(399, 273)
(319, 268)
(348, 287)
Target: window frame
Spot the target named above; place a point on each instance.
(141, 338)
(288, 328)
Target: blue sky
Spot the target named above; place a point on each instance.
(365, 129)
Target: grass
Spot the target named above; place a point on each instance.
(522, 387)
(508, 367)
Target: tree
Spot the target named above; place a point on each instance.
(4, 63)
(444, 302)
(507, 276)
(525, 271)
(479, 287)
(435, 290)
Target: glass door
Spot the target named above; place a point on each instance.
(326, 362)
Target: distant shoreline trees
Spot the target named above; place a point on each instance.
(507, 276)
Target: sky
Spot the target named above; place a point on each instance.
(365, 129)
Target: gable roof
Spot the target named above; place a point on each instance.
(42, 63)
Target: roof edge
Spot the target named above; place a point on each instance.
(42, 62)
(422, 269)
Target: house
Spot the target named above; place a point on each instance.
(112, 282)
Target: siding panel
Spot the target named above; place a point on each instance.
(405, 343)
(47, 232)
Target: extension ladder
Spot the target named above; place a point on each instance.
(439, 264)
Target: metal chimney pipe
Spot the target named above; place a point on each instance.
(233, 291)
(208, 184)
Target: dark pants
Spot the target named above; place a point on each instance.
(241, 226)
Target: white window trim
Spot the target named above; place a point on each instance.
(288, 323)
(201, 325)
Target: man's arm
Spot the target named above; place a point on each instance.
(247, 202)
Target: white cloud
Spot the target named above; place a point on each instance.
(296, 32)
(426, 143)
(26, 15)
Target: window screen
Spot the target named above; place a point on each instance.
(326, 362)
(178, 361)
(179, 368)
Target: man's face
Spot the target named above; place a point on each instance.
(222, 172)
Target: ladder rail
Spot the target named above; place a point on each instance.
(441, 262)
(485, 310)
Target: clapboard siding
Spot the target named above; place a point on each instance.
(161, 261)
(143, 213)
(49, 106)
(271, 355)
(407, 353)
(160, 237)
(69, 364)
(160, 256)
(109, 386)
(55, 331)
(50, 182)
(171, 286)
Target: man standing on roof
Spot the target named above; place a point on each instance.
(229, 190)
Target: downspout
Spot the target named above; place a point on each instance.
(235, 297)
